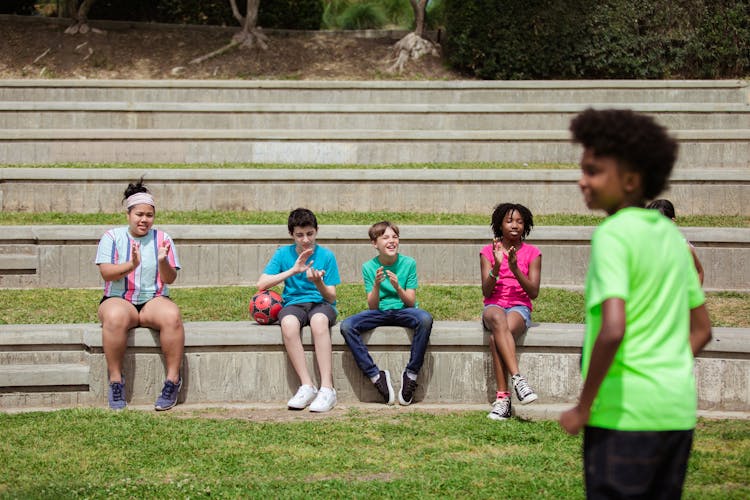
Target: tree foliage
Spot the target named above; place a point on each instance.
(537, 39)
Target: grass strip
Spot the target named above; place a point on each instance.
(354, 453)
(445, 302)
(17, 218)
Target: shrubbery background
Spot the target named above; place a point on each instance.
(535, 39)
(508, 39)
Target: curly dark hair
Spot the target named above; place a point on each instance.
(502, 210)
(135, 187)
(664, 206)
(635, 140)
(301, 217)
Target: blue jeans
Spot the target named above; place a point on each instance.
(416, 319)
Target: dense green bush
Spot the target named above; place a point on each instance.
(20, 7)
(288, 14)
(525, 39)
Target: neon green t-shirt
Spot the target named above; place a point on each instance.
(640, 256)
(406, 270)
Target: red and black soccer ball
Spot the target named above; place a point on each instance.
(265, 306)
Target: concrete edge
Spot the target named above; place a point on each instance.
(449, 175)
(248, 333)
(338, 135)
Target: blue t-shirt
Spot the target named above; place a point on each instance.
(298, 289)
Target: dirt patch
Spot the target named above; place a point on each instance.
(259, 412)
(39, 48)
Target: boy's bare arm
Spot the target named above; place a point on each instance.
(606, 345)
(700, 329)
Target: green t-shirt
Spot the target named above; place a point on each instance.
(406, 270)
(640, 256)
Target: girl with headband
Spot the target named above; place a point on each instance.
(137, 262)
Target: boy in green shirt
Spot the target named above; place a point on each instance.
(645, 316)
(391, 285)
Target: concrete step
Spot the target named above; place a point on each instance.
(228, 255)
(720, 191)
(698, 148)
(357, 92)
(305, 116)
(43, 375)
(242, 362)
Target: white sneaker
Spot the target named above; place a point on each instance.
(325, 401)
(305, 395)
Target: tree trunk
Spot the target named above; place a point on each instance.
(420, 11)
(413, 45)
(80, 16)
(250, 34)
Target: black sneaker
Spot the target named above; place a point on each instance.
(384, 387)
(500, 409)
(408, 386)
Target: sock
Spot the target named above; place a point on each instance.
(502, 394)
(412, 376)
(375, 378)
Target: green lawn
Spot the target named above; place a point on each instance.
(382, 453)
(9, 218)
(455, 303)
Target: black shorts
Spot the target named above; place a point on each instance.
(635, 464)
(138, 307)
(303, 312)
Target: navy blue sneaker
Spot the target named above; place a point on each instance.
(168, 397)
(116, 395)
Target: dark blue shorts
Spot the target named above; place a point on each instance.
(635, 464)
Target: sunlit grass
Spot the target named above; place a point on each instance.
(386, 453)
(11, 218)
(445, 302)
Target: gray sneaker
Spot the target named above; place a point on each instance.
(168, 397)
(500, 409)
(116, 395)
(385, 388)
(523, 392)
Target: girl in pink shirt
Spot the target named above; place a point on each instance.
(510, 272)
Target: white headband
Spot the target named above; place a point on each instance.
(139, 198)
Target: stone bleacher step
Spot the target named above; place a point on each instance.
(343, 92)
(44, 375)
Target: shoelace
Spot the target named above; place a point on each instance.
(500, 406)
(169, 388)
(411, 386)
(116, 392)
(523, 388)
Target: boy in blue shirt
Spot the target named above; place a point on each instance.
(310, 275)
(391, 285)
(645, 316)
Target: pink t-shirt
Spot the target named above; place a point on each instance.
(508, 291)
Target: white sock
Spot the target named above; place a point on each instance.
(375, 378)
(412, 376)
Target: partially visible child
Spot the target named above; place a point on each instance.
(645, 316)
(510, 271)
(391, 286)
(309, 299)
(667, 209)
